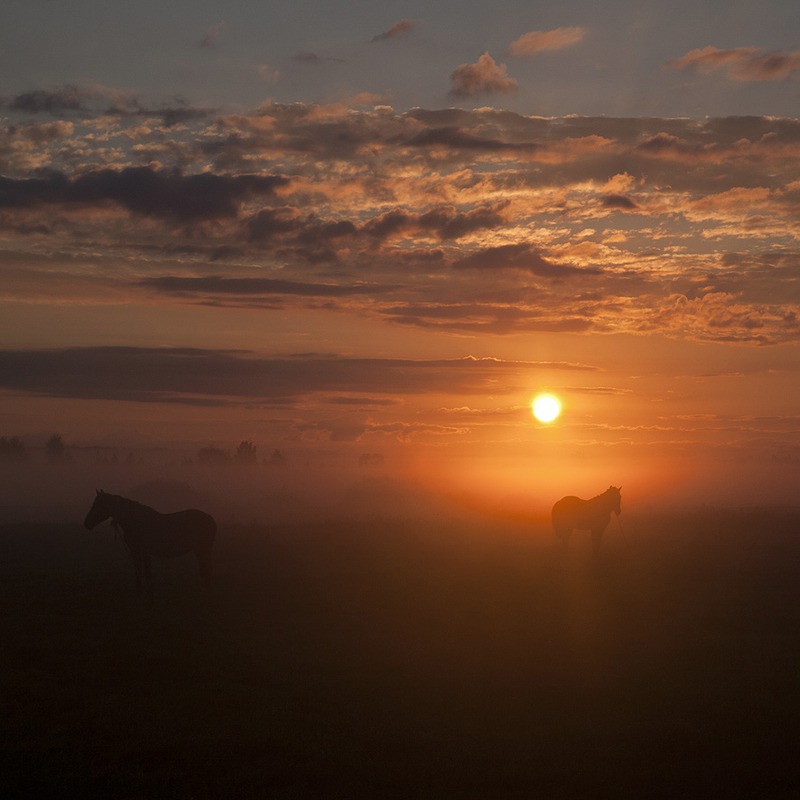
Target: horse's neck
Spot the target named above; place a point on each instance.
(602, 502)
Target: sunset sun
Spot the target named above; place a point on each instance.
(546, 408)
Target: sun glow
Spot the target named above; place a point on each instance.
(546, 408)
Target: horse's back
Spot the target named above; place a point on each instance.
(565, 508)
(183, 531)
(573, 512)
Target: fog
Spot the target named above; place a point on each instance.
(287, 486)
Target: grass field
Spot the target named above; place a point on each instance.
(451, 657)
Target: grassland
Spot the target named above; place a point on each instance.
(444, 657)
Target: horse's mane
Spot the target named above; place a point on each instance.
(129, 504)
(610, 490)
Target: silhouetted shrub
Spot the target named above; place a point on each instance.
(12, 449)
(213, 456)
(246, 453)
(277, 459)
(55, 448)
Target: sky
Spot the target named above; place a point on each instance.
(385, 228)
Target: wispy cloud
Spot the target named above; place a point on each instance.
(529, 44)
(741, 63)
(485, 76)
(209, 38)
(401, 28)
(189, 375)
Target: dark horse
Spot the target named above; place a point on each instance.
(586, 515)
(149, 533)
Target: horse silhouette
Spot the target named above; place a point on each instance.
(148, 533)
(571, 513)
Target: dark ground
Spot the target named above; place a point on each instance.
(378, 659)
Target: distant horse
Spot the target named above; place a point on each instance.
(571, 513)
(150, 533)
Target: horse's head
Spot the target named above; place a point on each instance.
(102, 509)
(615, 498)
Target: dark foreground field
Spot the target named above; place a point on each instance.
(397, 659)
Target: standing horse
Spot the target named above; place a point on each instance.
(586, 515)
(150, 533)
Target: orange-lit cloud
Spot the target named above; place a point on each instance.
(457, 221)
(401, 28)
(529, 44)
(485, 76)
(741, 63)
(209, 38)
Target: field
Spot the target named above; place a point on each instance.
(449, 657)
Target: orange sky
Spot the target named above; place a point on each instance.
(351, 276)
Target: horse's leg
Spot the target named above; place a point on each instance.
(597, 535)
(148, 575)
(137, 566)
(563, 534)
(203, 555)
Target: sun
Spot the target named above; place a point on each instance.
(546, 407)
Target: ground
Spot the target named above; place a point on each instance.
(450, 657)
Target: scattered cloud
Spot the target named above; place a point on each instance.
(470, 221)
(741, 63)
(522, 257)
(534, 42)
(485, 76)
(401, 28)
(619, 202)
(50, 101)
(216, 285)
(314, 59)
(269, 74)
(209, 38)
(167, 194)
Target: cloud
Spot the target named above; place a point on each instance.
(268, 74)
(402, 28)
(203, 376)
(215, 285)
(99, 100)
(167, 194)
(458, 220)
(209, 38)
(529, 44)
(519, 257)
(313, 59)
(50, 101)
(486, 76)
(741, 63)
(289, 225)
(619, 202)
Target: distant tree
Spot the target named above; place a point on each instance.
(246, 453)
(55, 448)
(12, 449)
(277, 459)
(213, 456)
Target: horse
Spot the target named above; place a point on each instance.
(148, 533)
(586, 515)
